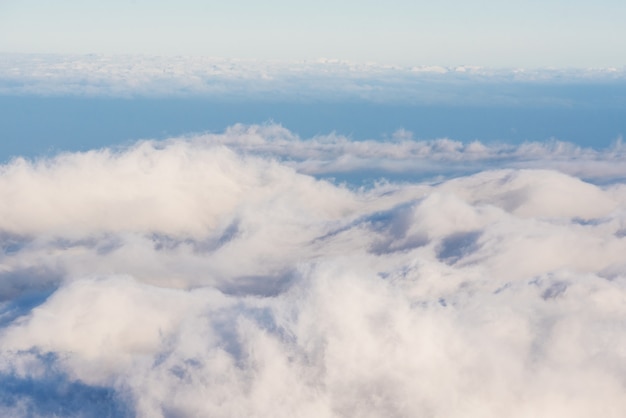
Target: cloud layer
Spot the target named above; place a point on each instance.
(403, 157)
(305, 81)
(221, 275)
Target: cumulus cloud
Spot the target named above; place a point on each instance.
(224, 275)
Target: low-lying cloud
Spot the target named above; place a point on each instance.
(401, 156)
(223, 275)
(328, 80)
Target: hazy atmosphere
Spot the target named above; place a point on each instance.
(402, 32)
(294, 209)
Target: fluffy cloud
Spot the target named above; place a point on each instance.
(215, 276)
(404, 158)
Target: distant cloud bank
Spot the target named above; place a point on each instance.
(221, 275)
(402, 156)
(152, 76)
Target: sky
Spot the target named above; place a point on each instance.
(400, 32)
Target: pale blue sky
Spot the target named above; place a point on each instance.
(514, 33)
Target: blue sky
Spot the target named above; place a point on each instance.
(452, 32)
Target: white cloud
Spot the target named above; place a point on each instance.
(335, 154)
(213, 276)
(329, 80)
